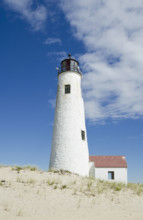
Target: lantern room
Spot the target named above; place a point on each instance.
(69, 64)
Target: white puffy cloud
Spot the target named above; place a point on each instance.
(36, 17)
(113, 64)
(52, 40)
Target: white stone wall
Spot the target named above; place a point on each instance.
(69, 151)
(91, 169)
(120, 174)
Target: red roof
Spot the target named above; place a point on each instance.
(108, 161)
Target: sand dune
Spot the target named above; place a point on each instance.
(37, 195)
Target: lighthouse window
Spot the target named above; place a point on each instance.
(82, 135)
(74, 66)
(64, 65)
(67, 89)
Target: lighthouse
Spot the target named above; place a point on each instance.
(69, 143)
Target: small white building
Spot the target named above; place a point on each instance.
(108, 168)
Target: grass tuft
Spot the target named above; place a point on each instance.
(31, 168)
(28, 167)
(20, 213)
(50, 182)
(59, 171)
(31, 181)
(64, 187)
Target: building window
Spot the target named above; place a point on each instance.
(110, 175)
(67, 89)
(82, 135)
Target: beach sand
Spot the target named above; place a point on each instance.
(38, 195)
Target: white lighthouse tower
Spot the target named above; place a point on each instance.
(69, 144)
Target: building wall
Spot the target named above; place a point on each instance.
(69, 151)
(120, 174)
(91, 169)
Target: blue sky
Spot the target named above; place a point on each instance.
(106, 38)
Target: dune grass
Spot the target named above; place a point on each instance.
(80, 185)
(27, 167)
(136, 188)
(59, 171)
